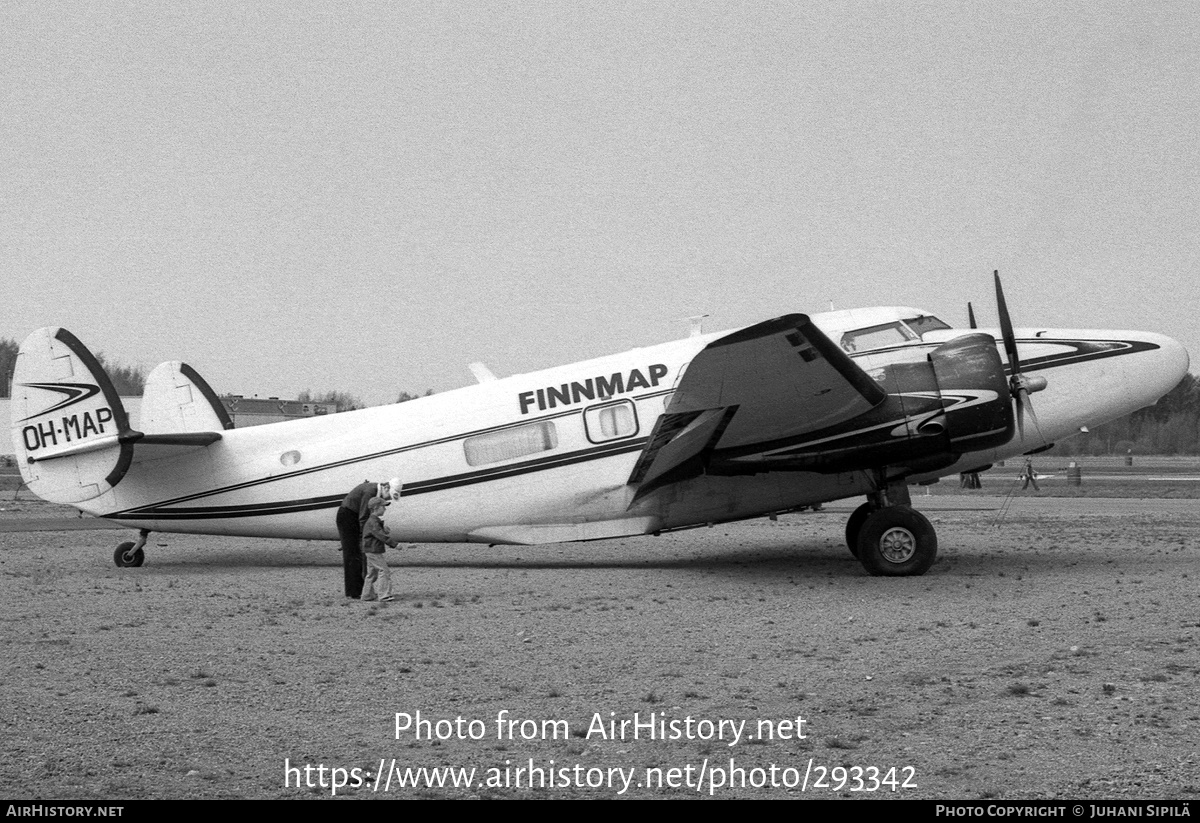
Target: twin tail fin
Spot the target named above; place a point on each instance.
(71, 433)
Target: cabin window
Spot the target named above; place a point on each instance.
(877, 337)
(610, 422)
(508, 444)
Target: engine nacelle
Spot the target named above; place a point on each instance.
(955, 400)
(978, 411)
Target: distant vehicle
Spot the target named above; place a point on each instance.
(779, 415)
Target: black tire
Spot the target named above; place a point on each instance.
(897, 541)
(854, 526)
(126, 559)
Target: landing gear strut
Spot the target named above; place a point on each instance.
(889, 537)
(130, 554)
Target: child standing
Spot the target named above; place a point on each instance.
(376, 539)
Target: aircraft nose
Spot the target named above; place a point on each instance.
(1169, 362)
(1135, 375)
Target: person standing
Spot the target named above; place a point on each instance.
(376, 540)
(1029, 475)
(352, 515)
(349, 528)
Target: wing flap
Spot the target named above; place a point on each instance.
(535, 534)
(682, 447)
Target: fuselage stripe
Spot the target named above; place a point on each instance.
(158, 511)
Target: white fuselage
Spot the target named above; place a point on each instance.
(547, 456)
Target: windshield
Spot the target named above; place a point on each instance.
(925, 323)
(896, 333)
(877, 337)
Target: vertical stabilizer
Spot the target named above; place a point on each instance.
(177, 399)
(66, 420)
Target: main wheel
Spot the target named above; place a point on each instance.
(126, 557)
(897, 541)
(854, 526)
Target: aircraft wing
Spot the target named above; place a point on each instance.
(772, 380)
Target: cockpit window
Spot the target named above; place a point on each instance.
(925, 323)
(896, 333)
(877, 337)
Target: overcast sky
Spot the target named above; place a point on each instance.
(369, 196)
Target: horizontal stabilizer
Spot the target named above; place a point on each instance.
(149, 446)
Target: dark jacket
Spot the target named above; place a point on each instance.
(376, 537)
(356, 501)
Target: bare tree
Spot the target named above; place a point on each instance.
(405, 396)
(343, 400)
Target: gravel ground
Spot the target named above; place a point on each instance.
(1050, 652)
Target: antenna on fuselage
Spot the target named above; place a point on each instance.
(482, 373)
(696, 325)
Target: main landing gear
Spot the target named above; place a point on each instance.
(130, 554)
(889, 537)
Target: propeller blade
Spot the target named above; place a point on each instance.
(1021, 395)
(1006, 329)
(1020, 385)
(1029, 408)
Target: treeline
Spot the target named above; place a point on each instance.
(8, 362)
(346, 401)
(129, 381)
(1170, 426)
(343, 400)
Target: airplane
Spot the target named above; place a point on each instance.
(777, 416)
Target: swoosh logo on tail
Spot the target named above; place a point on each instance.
(75, 392)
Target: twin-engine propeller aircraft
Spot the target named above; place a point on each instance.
(783, 414)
